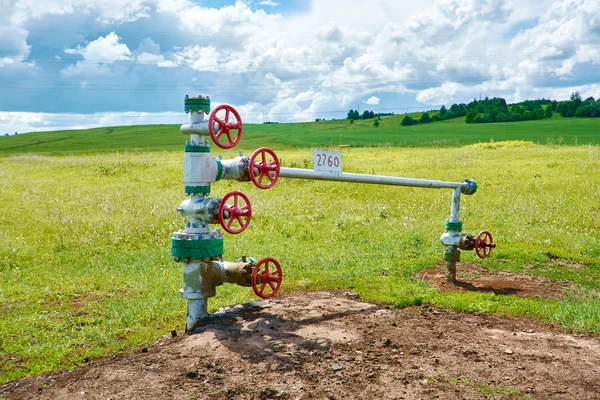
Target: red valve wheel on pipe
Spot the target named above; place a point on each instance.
(484, 244)
(225, 127)
(240, 212)
(265, 277)
(264, 173)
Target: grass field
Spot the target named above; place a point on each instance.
(85, 267)
(451, 133)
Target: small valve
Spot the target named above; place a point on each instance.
(225, 127)
(266, 279)
(484, 244)
(239, 213)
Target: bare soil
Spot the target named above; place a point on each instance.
(330, 345)
(473, 278)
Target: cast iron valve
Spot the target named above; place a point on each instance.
(484, 244)
(266, 280)
(466, 242)
(225, 126)
(239, 212)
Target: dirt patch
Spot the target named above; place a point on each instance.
(474, 278)
(330, 345)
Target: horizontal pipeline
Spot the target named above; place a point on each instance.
(362, 178)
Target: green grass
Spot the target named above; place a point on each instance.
(85, 267)
(451, 133)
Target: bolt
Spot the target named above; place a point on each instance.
(241, 153)
(179, 210)
(243, 258)
(176, 259)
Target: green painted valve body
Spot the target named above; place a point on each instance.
(197, 104)
(196, 249)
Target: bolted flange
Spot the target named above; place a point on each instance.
(451, 254)
(197, 104)
(454, 226)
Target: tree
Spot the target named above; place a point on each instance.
(376, 123)
(351, 121)
(442, 111)
(371, 114)
(407, 121)
(365, 114)
(576, 97)
(425, 118)
(351, 114)
(549, 111)
(355, 115)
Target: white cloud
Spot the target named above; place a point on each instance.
(158, 59)
(373, 100)
(269, 3)
(295, 65)
(22, 122)
(106, 49)
(199, 58)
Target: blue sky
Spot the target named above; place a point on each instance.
(86, 63)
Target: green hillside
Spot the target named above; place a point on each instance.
(361, 133)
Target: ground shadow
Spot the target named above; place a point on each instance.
(260, 336)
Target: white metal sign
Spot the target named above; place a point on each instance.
(324, 160)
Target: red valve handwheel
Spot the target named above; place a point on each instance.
(264, 276)
(264, 169)
(484, 244)
(225, 127)
(237, 213)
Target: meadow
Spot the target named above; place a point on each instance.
(449, 133)
(85, 266)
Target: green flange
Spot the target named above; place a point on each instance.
(451, 254)
(454, 226)
(219, 170)
(196, 149)
(471, 187)
(197, 189)
(197, 249)
(197, 104)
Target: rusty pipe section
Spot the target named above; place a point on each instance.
(299, 173)
(200, 280)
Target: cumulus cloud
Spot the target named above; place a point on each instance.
(295, 65)
(373, 100)
(106, 49)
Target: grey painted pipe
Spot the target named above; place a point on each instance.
(299, 173)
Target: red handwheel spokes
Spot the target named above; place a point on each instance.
(237, 215)
(266, 278)
(225, 126)
(265, 171)
(484, 244)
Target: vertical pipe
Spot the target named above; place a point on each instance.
(455, 204)
(451, 250)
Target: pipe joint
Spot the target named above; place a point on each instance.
(236, 169)
(205, 210)
(469, 187)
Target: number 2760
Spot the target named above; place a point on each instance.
(327, 161)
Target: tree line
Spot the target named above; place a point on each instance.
(355, 114)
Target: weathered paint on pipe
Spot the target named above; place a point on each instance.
(455, 205)
(299, 173)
